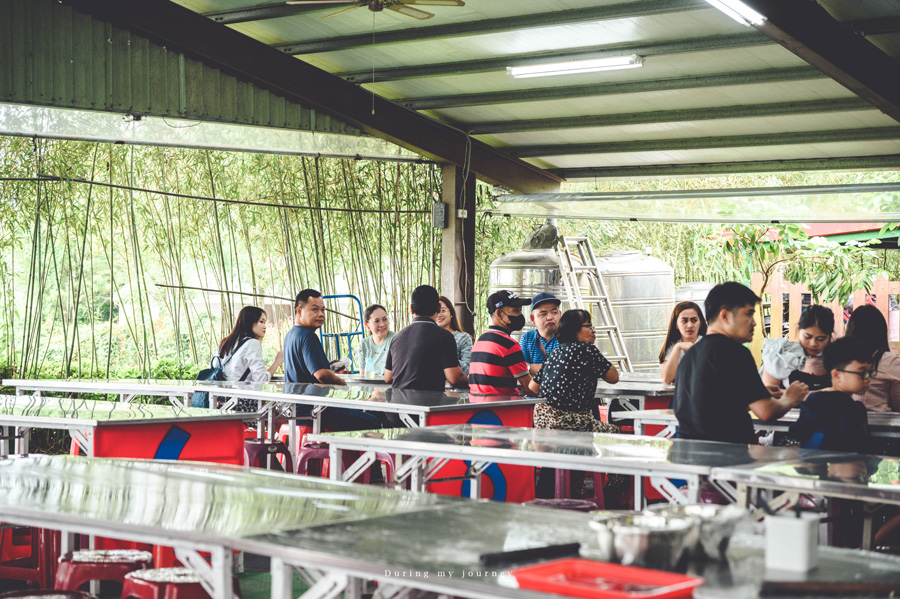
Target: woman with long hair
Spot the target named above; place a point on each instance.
(446, 319)
(373, 350)
(568, 382)
(242, 356)
(686, 326)
(867, 325)
(785, 361)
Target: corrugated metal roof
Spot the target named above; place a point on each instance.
(713, 96)
(753, 102)
(51, 55)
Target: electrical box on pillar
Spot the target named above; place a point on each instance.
(439, 216)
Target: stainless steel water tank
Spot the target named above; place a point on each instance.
(642, 293)
(529, 272)
(694, 292)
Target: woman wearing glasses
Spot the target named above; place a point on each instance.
(867, 325)
(568, 381)
(372, 351)
(446, 319)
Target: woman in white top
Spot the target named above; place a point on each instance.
(686, 326)
(372, 352)
(446, 319)
(242, 355)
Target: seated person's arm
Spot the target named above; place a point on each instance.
(455, 376)
(772, 408)
(670, 366)
(525, 382)
(533, 385)
(611, 376)
(328, 377)
(533, 368)
(769, 380)
(449, 360)
(388, 375)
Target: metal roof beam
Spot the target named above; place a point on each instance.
(268, 11)
(670, 116)
(222, 47)
(879, 26)
(695, 44)
(527, 21)
(621, 87)
(810, 32)
(887, 162)
(696, 143)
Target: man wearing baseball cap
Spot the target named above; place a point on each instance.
(540, 341)
(498, 365)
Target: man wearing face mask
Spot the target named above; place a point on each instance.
(498, 365)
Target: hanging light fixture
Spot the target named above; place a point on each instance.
(739, 11)
(572, 67)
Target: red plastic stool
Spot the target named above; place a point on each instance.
(256, 450)
(38, 594)
(564, 487)
(302, 430)
(86, 565)
(576, 505)
(320, 452)
(168, 583)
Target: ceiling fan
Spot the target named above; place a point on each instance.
(401, 6)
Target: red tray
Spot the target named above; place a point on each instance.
(601, 580)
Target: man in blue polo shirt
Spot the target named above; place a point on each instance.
(305, 362)
(304, 357)
(540, 341)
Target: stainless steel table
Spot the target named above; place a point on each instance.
(642, 391)
(430, 448)
(178, 392)
(870, 479)
(144, 501)
(335, 534)
(881, 424)
(83, 418)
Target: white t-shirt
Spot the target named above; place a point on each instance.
(249, 355)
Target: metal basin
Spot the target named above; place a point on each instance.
(645, 540)
(715, 525)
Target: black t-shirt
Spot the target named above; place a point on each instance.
(419, 354)
(716, 381)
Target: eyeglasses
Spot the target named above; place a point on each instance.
(587, 326)
(864, 375)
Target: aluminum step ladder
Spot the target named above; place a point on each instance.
(576, 257)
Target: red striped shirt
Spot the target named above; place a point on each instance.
(497, 361)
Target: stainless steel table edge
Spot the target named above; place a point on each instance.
(511, 456)
(83, 386)
(452, 586)
(219, 547)
(889, 495)
(76, 424)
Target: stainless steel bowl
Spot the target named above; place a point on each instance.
(714, 527)
(646, 540)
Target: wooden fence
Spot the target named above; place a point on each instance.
(774, 298)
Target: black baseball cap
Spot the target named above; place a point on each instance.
(506, 298)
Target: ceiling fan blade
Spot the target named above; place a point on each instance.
(410, 12)
(302, 2)
(434, 2)
(343, 10)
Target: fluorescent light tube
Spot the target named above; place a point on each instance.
(571, 67)
(739, 11)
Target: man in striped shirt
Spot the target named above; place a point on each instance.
(498, 365)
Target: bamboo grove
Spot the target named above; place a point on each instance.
(106, 247)
(132, 261)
